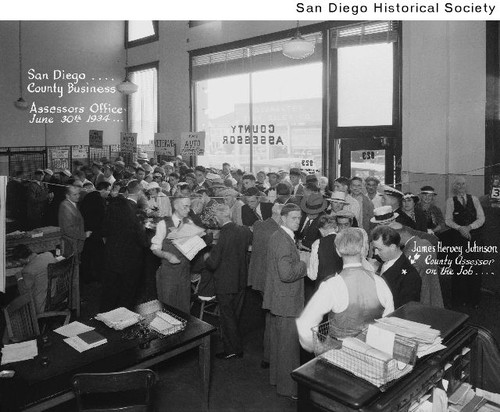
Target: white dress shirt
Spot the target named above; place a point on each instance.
(332, 295)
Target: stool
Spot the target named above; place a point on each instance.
(209, 305)
(195, 284)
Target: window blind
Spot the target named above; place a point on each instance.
(365, 33)
(250, 58)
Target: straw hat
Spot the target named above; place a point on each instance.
(383, 214)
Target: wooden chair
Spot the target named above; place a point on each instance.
(117, 391)
(58, 301)
(21, 320)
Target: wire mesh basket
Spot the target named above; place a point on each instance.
(154, 308)
(353, 356)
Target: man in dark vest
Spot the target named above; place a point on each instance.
(465, 216)
(324, 261)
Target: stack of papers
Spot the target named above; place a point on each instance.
(165, 324)
(119, 318)
(86, 341)
(18, 352)
(429, 340)
(187, 239)
(73, 329)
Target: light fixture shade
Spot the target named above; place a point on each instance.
(21, 104)
(298, 48)
(127, 87)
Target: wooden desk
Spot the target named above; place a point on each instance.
(37, 387)
(323, 386)
(49, 241)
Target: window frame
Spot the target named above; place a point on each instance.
(145, 66)
(394, 131)
(144, 40)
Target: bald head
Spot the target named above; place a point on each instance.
(73, 193)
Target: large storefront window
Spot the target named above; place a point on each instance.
(268, 117)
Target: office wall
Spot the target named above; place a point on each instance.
(92, 48)
(444, 94)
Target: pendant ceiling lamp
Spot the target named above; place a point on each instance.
(126, 86)
(20, 103)
(298, 47)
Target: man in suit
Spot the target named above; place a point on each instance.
(422, 256)
(71, 222)
(314, 207)
(254, 209)
(401, 277)
(93, 208)
(284, 298)
(125, 240)
(262, 232)
(393, 197)
(228, 261)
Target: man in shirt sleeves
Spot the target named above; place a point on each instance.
(284, 298)
(173, 278)
(352, 299)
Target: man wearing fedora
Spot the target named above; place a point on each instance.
(401, 277)
(314, 207)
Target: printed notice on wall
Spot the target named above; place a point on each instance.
(164, 144)
(95, 138)
(193, 144)
(128, 142)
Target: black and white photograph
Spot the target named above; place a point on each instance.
(293, 208)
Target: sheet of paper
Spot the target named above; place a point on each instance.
(73, 329)
(77, 343)
(189, 246)
(381, 339)
(18, 352)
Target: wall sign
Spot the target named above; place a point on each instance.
(193, 144)
(95, 138)
(79, 152)
(128, 142)
(59, 159)
(164, 144)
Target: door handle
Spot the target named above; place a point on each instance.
(384, 140)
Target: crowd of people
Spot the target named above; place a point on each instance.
(354, 250)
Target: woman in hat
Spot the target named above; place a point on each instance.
(158, 202)
(433, 214)
(418, 219)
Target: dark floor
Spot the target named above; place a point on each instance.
(240, 384)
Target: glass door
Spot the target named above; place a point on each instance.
(368, 157)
